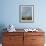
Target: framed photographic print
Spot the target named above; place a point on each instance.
(26, 13)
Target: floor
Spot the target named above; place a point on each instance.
(1, 45)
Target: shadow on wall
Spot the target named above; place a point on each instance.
(2, 26)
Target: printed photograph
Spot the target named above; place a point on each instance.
(26, 13)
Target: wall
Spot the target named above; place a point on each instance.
(10, 13)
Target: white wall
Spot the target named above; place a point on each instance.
(10, 13)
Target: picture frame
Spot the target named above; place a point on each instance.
(26, 13)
